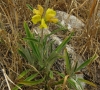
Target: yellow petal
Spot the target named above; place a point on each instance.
(50, 16)
(36, 18)
(54, 20)
(39, 11)
(43, 24)
(35, 11)
(50, 13)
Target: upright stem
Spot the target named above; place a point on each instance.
(42, 35)
(46, 4)
(41, 41)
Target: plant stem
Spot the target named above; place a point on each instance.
(46, 4)
(42, 44)
(42, 35)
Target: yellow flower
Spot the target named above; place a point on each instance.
(49, 16)
(38, 14)
(39, 11)
(43, 24)
(36, 19)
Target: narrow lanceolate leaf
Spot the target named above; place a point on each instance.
(55, 31)
(26, 54)
(59, 82)
(22, 74)
(76, 64)
(31, 77)
(87, 62)
(65, 28)
(50, 61)
(62, 45)
(74, 84)
(27, 79)
(67, 61)
(60, 74)
(31, 39)
(54, 55)
(87, 82)
(51, 74)
(32, 45)
(27, 30)
(22, 54)
(16, 88)
(30, 83)
(30, 7)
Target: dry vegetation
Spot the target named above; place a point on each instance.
(14, 12)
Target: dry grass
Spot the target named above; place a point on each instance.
(14, 12)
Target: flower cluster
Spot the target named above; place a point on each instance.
(43, 18)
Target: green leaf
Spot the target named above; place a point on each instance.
(16, 88)
(55, 31)
(30, 83)
(62, 26)
(55, 54)
(61, 74)
(87, 62)
(22, 54)
(75, 67)
(67, 61)
(64, 42)
(27, 79)
(59, 82)
(23, 74)
(26, 54)
(31, 39)
(50, 61)
(35, 49)
(87, 82)
(74, 84)
(30, 7)
(27, 30)
(51, 74)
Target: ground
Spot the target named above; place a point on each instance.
(14, 12)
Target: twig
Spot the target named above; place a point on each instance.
(6, 79)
